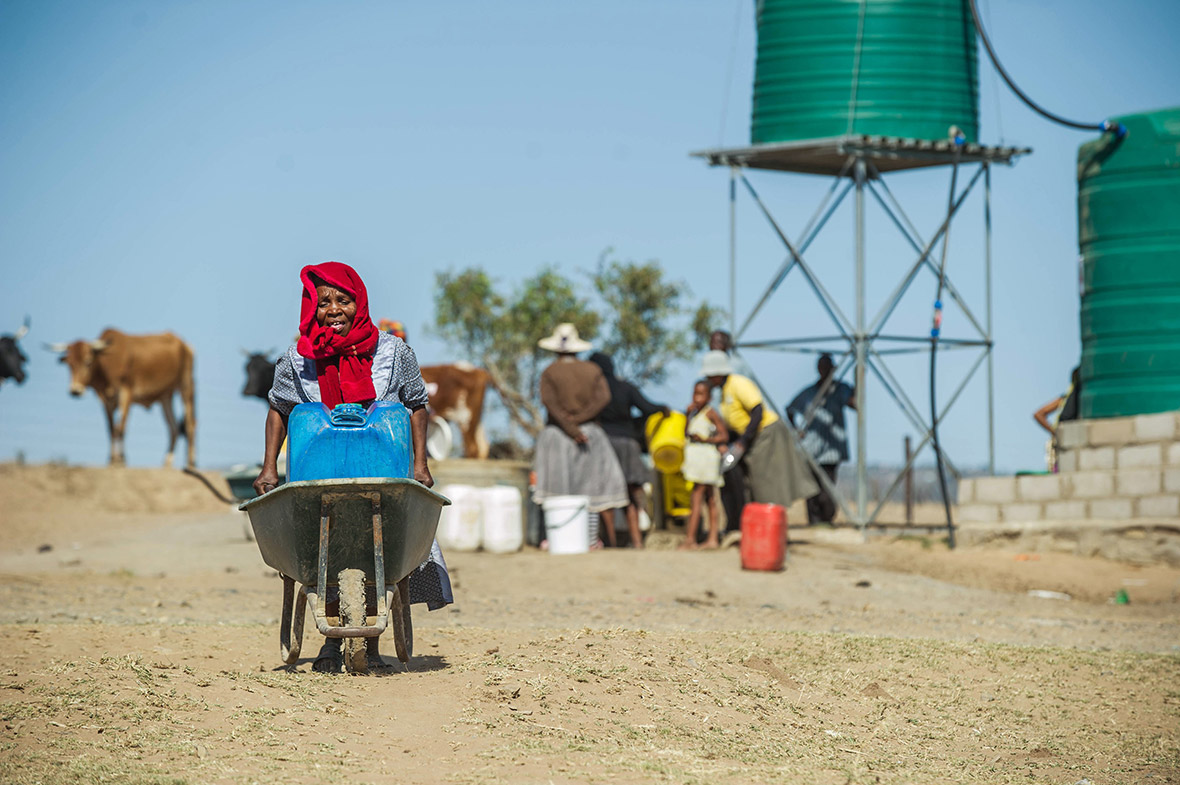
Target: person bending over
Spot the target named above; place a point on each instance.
(774, 466)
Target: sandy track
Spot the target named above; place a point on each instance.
(145, 649)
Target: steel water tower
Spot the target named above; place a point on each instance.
(855, 91)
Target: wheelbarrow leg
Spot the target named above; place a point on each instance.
(352, 614)
(291, 624)
(403, 628)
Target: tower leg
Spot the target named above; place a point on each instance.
(861, 346)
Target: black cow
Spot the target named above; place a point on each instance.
(12, 359)
(260, 375)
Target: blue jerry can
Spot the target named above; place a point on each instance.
(349, 441)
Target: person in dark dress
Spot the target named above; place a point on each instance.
(819, 409)
(617, 421)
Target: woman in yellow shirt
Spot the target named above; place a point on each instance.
(777, 472)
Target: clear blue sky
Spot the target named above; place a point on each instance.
(171, 165)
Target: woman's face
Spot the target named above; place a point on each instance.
(336, 309)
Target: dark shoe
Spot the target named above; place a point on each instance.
(375, 661)
(330, 660)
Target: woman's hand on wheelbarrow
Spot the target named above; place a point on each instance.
(268, 480)
(422, 474)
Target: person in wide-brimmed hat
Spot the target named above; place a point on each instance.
(574, 457)
(776, 471)
(564, 340)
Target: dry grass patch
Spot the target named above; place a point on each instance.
(600, 706)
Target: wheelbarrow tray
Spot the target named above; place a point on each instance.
(286, 523)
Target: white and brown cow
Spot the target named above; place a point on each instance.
(456, 393)
(144, 369)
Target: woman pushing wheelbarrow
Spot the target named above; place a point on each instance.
(338, 388)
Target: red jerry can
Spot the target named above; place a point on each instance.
(764, 537)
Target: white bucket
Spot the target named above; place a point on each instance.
(460, 526)
(502, 531)
(439, 438)
(644, 520)
(567, 523)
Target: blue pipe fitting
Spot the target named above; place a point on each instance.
(1119, 129)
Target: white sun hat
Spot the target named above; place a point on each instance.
(564, 340)
(716, 363)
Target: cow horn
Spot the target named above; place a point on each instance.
(23, 331)
(57, 348)
(98, 345)
(245, 353)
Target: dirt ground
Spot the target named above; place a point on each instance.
(142, 632)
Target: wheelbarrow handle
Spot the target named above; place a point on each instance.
(328, 631)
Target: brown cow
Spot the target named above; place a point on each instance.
(125, 369)
(456, 392)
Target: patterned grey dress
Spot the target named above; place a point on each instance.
(395, 378)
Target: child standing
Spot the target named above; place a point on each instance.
(702, 463)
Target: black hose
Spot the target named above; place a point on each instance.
(1105, 125)
(221, 496)
(935, 331)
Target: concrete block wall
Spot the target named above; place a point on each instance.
(1119, 469)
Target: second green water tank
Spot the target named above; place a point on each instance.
(828, 68)
(1129, 235)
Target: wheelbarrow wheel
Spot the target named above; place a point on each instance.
(291, 624)
(352, 614)
(403, 628)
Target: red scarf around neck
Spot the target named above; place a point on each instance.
(343, 363)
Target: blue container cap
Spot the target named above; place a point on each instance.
(349, 415)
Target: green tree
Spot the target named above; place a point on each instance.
(501, 332)
(648, 323)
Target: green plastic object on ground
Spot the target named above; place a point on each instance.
(1129, 236)
(826, 68)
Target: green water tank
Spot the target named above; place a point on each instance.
(1129, 235)
(829, 68)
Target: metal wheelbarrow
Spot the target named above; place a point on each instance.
(328, 534)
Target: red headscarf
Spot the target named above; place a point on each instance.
(343, 363)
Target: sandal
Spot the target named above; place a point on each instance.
(329, 660)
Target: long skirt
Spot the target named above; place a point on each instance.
(778, 472)
(566, 468)
(635, 471)
(431, 583)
